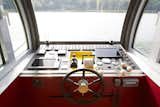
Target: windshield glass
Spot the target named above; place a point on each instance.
(80, 20)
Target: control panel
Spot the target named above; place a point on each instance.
(74, 56)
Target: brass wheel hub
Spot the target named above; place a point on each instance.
(83, 87)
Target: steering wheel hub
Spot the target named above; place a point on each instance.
(83, 87)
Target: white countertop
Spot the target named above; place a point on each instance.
(151, 69)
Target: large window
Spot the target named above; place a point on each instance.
(16, 29)
(147, 40)
(80, 20)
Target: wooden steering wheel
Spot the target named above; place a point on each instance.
(83, 89)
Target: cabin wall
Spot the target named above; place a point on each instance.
(152, 93)
(11, 96)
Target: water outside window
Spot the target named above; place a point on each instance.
(80, 20)
(147, 37)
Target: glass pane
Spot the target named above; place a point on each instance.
(16, 29)
(147, 37)
(1, 60)
(80, 20)
(64, 5)
(114, 5)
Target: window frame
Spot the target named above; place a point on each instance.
(2, 57)
(6, 39)
(23, 20)
(1, 64)
(28, 16)
(136, 28)
(134, 32)
(23, 23)
(9, 60)
(131, 23)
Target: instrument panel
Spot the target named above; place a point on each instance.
(69, 57)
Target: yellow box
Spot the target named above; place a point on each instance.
(79, 54)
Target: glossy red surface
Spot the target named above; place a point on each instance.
(23, 93)
(151, 93)
(10, 97)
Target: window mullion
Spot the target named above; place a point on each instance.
(2, 56)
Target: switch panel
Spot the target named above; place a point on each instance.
(130, 82)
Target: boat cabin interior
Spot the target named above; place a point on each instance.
(75, 53)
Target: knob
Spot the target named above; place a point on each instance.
(124, 65)
(106, 60)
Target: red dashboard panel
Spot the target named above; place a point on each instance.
(35, 92)
(152, 93)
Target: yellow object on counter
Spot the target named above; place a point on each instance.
(79, 54)
(88, 63)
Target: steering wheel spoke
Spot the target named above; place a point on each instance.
(72, 81)
(95, 81)
(75, 90)
(83, 74)
(94, 93)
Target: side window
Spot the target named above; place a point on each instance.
(1, 60)
(147, 37)
(15, 26)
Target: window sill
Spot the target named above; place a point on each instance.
(150, 68)
(6, 68)
(9, 72)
